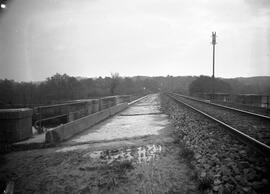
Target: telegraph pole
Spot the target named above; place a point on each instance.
(213, 75)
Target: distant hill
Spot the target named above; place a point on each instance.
(60, 88)
(250, 85)
(240, 85)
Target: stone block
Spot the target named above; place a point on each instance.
(15, 124)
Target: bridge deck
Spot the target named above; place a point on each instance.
(132, 152)
(142, 119)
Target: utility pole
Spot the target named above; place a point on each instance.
(213, 75)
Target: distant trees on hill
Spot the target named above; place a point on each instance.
(250, 85)
(60, 88)
(205, 84)
(115, 78)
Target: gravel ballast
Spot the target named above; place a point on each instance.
(231, 166)
(253, 126)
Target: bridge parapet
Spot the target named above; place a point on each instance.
(53, 115)
(123, 98)
(15, 125)
(88, 106)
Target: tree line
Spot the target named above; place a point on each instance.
(60, 88)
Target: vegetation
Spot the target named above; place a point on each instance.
(60, 88)
(113, 175)
(205, 84)
(250, 85)
(115, 78)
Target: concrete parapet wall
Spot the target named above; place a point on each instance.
(107, 102)
(123, 98)
(58, 109)
(95, 106)
(115, 109)
(68, 130)
(86, 106)
(15, 124)
(137, 100)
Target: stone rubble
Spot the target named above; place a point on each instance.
(233, 166)
(253, 126)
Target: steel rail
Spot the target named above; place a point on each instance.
(244, 138)
(225, 107)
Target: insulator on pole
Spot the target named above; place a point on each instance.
(214, 38)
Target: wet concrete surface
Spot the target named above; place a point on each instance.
(142, 119)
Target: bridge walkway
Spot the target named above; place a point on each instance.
(131, 152)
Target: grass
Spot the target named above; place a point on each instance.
(113, 175)
(124, 165)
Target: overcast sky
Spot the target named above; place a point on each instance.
(92, 38)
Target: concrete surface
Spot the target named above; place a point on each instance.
(68, 130)
(15, 124)
(141, 119)
(37, 141)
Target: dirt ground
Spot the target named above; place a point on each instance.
(140, 164)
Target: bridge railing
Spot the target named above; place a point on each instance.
(53, 115)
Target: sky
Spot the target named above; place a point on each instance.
(92, 38)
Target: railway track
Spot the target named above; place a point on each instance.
(253, 109)
(250, 128)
